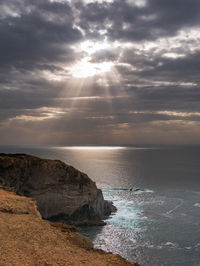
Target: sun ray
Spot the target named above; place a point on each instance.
(85, 68)
(89, 83)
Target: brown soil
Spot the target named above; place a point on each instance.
(26, 239)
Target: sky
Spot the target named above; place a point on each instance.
(99, 72)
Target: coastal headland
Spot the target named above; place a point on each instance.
(26, 238)
(62, 192)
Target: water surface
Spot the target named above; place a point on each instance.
(160, 223)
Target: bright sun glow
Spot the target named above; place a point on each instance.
(86, 69)
(91, 47)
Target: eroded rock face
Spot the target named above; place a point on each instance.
(61, 191)
(26, 239)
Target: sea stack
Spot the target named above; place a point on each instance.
(62, 192)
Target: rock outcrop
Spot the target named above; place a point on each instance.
(62, 192)
(26, 239)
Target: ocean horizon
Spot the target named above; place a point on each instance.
(157, 194)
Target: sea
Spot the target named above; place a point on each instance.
(157, 194)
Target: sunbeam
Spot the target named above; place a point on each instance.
(85, 69)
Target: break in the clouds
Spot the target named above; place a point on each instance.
(99, 72)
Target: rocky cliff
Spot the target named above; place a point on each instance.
(26, 239)
(61, 191)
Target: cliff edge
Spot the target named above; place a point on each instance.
(26, 239)
(62, 192)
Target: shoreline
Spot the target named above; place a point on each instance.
(27, 239)
(63, 193)
(40, 202)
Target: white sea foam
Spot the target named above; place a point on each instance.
(126, 215)
(188, 248)
(135, 190)
(171, 245)
(176, 207)
(197, 204)
(143, 191)
(197, 245)
(163, 245)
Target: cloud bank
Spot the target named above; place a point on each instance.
(99, 72)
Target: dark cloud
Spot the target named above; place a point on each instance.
(39, 35)
(124, 21)
(151, 96)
